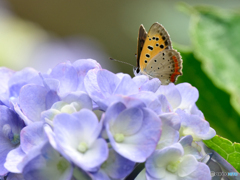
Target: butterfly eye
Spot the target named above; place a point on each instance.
(137, 70)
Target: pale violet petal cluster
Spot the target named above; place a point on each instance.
(81, 122)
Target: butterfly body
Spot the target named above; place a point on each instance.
(155, 56)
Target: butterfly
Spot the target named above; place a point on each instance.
(155, 56)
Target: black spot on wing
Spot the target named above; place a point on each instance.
(150, 48)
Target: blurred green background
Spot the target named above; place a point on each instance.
(207, 33)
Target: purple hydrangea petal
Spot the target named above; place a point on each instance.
(14, 176)
(51, 83)
(189, 95)
(172, 119)
(82, 67)
(126, 86)
(140, 145)
(128, 122)
(107, 82)
(48, 165)
(170, 134)
(140, 80)
(11, 126)
(13, 159)
(5, 75)
(91, 86)
(32, 135)
(83, 100)
(165, 105)
(20, 78)
(152, 85)
(157, 162)
(34, 99)
(194, 110)
(118, 167)
(100, 175)
(195, 126)
(113, 111)
(70, 130)
(150, 100)
(67, 76)
(172, 94)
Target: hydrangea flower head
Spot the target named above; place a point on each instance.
(50, 130)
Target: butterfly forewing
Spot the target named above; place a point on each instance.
(156, 41)
(166, 65)
(142, 34)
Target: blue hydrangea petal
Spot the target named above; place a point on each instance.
(81, 98)
(32, 135)
(128, 122)
(195, 126)
(70, 130)
(172, 94)
(112, 113)
(82, 67)
(5, 75)
(100, 175)
(107, 82)
(15, 176)
(166, 106)
(170, 134)
(126, 86)
(67, 76)
(92, 88)
(140, 145)
(150, 100)
(157, 162)
(10, 127)
(189, 95)
(171, 119)
(13, 159)
(35, 99)
(21, 78)
(48, 165)
(116, 166)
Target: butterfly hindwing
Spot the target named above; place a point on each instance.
(156, 41)
(166, 65)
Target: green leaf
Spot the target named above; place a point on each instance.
(228, 150)
(217, 111)
(215, 34)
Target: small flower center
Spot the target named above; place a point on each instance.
(82, 147)
(62, 165)
(7, 131)
(68, 109)
(173, 166)
(119, 137)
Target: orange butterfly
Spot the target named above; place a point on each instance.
(156, 57)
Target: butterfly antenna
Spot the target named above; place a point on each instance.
(121, 62)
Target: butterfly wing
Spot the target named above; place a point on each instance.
(156, 41)
(142, 34)
(166, 65)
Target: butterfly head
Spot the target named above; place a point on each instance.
(136, 71)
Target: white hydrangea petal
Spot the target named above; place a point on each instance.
(188, 93)
(211, 133)
(188, 164)
(172, 94)
(169, 135)
(202, 172)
